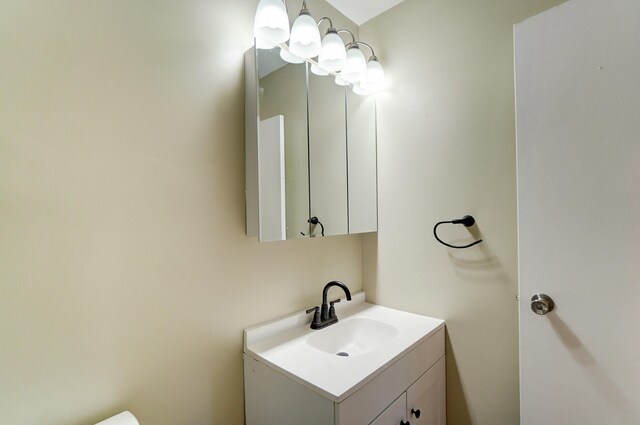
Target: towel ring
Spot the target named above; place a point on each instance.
(467, 221)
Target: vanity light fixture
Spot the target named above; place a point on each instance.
(318, 70)
(373, 79)
(375, 83)
(271, 21)
(346, 63)
(261, 43)
(333, 54)
(375, 72)
(287, 56)
(340, 81)
(356, 67)
(305, 35)
(361, 90)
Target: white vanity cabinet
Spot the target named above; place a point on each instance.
(423, 403)
(426, 398)
(413, 381)
(394, 414)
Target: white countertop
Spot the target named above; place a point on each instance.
(282, 345)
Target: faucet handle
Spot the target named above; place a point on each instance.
(332, 310)
(316, 316)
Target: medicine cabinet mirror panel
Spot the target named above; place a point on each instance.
(328, 155)
(363, 163)
(282, 95)
(311, 152)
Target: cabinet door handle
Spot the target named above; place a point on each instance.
(405, 423)
(416, 413)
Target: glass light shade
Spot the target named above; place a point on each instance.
(271, 21)
(318, 70)
(356, 68)
(360, 90)
(287, 56)
(261, 43)
(340, 81)
(333, 55)
(305, 36)
(375, 72)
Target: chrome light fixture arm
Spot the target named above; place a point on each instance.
(325, 18)
(358, 42)
(353, 37)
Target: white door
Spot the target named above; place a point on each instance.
(578, 132)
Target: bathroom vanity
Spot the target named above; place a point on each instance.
(375, 366)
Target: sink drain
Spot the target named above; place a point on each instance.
(342, 354)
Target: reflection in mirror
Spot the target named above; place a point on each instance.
(282, 92)
(362, 163)
(328, 155)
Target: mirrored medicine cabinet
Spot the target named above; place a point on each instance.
(311, 152)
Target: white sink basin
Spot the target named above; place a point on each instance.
(373, 336)
(352, 337)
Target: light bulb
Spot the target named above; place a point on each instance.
(356, 67)
(305, 36)
(271, 21)
(333, 55)
(318, 70)
(375, 72)
(287, 56)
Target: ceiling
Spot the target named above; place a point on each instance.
(360, 11)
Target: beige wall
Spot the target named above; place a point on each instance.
(446, 149)
(125, 275)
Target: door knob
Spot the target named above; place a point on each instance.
(542, 304)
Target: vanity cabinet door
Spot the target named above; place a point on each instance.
(394, 414)
(426, 398)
